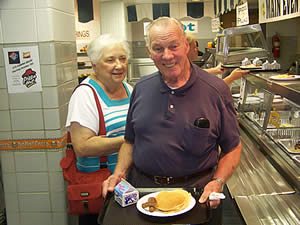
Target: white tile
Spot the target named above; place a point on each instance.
(8, 162)
(60, 218)
(11, 203)
(68, 89)
(54, 158)
(13, 218)
(22, 21)
(9, 182)
(5, 121)
(31, 161)
(28, 134)
(52, 119)
(58, 201)
(49, 74)
(69, 71)
(50, 97)
(45, 27)
(17, 4)
(37, 218)
(34, 202)
(4, 99)
(3, 83)
(1, 46)
(54, 133)
(55, 25)
(65, 6)
(5, 135)
(57, 183)
(27, 120)
(32, 100)
(1, 35)
(64, 26)
(32, 182)
(47, 53)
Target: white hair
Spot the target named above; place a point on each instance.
(96, 47)
(162, 21)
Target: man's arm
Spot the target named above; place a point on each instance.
(124, 163)
(225, 168)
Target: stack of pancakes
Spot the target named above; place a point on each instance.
(172, 201)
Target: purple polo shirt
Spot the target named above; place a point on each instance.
(160, 124)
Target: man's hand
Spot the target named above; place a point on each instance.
(212, 186)
(109, 184)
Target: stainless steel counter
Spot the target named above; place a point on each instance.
(255, 174)
(262, 194)
(270, 209)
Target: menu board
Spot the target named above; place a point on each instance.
(276, 10)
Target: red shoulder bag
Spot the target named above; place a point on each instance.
(84, 190)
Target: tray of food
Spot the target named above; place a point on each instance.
(291, 146)
(285, 77)
(156, 206)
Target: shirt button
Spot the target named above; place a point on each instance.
(171, 106)
(172, 92)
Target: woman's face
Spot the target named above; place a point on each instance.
(112, 66)
(193, 52)
(168, 49)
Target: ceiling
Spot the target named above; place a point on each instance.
(251, 3)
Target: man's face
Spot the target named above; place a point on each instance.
(193, 52)
(168, 49)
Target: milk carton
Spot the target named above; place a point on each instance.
(125, 193)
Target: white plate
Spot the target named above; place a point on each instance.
(159, 213)
(237, 95)
(252, 100)
(292, 77)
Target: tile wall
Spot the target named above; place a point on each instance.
(34, 188)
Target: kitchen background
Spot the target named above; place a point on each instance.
(34, 189)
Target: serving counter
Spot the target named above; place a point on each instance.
(266, 184)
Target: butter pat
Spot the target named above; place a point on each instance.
(125, 194)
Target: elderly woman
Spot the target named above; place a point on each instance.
(109, 57)
(193, 54)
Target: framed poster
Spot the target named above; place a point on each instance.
(22, 67)
(276, 10)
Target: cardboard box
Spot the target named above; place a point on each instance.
(126, 194)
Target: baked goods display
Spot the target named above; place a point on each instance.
(258, 64)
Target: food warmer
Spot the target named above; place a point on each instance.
(266, 185)
(234, 44)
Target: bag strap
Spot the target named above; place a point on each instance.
(102, 129)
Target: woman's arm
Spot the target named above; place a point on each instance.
(86, 143)
(235, 75)
(124, 162)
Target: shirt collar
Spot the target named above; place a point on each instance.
(182, 90)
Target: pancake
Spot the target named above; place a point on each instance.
(172, 201)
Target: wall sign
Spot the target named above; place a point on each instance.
(190, 26)
(22, 67)
(215, 24)
(242, 14)
(276, 10)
